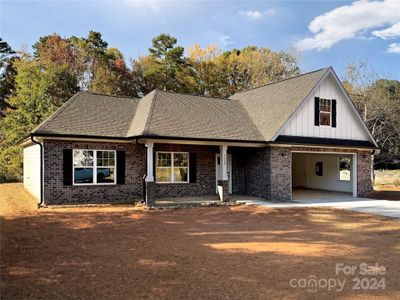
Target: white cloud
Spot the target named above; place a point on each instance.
(256, 14)
(351, 21)
(394, 48)
(226, 40)
(391, 32)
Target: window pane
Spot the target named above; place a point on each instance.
(181, 159)
(344, 169)
(163, 174)
(83, 175)
(105, 175)
(325, 119)
(181, 174)
(163, 160)
(83, 158)
(105, 159)
(325, 105)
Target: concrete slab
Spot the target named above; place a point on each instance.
(378, 207)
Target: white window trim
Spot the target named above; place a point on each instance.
(325, 112)
(172, 180)
(94, 167)
(338, 169)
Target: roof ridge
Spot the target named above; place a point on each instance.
(115, 96)
(278, 81)
(194, 95)
(57, 112)
(148, 121)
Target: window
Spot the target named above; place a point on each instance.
(344, 169)
(319, 169)
(172, 167)
(86, 163)
(325, 111)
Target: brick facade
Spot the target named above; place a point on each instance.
(280, 174)
(364, 173)
(55, 192)
(261, 172)
(205, 184)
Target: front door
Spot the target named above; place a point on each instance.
(219, 174)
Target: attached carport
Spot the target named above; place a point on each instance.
(322, 175)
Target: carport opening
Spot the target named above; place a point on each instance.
(319, 175)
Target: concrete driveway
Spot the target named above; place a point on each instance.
(337, 200)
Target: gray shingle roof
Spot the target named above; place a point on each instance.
(188, 116)
(90, 114)
(270, 106)
(253, 115)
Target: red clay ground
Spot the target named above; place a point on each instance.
(205, 253)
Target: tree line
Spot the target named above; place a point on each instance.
(35, 83)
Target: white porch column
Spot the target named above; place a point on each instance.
(150, 175)
(224, 162)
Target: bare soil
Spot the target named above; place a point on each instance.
(14, 200)
(240, 252)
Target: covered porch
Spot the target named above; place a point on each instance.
(188, 173)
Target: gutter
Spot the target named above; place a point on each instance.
(41, 202)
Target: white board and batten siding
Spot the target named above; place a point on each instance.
(32, 170)
(348, 126)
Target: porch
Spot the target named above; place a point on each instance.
(193, 174)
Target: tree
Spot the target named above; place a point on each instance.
(5, 52)
(378, 101)
(7, 75)
(214, 73)
(203, 72)
(169, 62)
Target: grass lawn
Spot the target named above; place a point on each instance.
(242, 252)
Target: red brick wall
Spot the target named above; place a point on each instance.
(56, 193)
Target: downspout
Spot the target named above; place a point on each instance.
(41, 202)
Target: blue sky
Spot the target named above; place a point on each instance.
(326, 33)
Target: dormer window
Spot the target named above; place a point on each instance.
(325, 111)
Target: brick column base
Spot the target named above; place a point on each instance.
(151, 194)
(223, 190)
(364, 174)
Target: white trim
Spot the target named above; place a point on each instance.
(301, 105)
(149, 165)
(319, 146)
(87, 139)
(172, 167)
(224, 162)
(208, 143)
(229, 155)
(338, 168)
(329, 71)
(94, 167)
(325, 112)
(355, 177)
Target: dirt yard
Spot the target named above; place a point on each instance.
(206, 253)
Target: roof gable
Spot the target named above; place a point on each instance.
(270, 106)
(350, 125)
